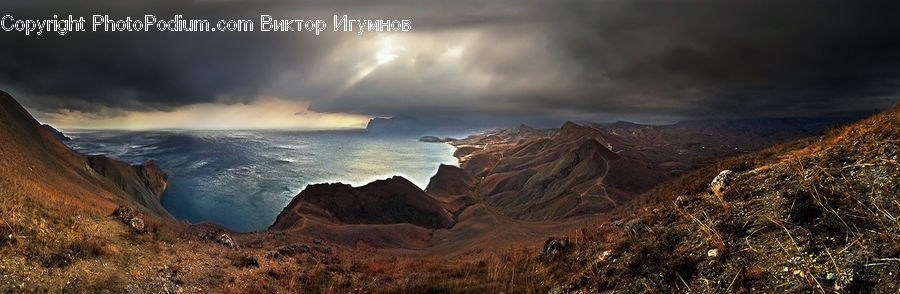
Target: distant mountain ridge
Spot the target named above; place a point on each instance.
(416, 126)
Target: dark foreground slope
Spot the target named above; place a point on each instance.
(390, 201)
(820, 215)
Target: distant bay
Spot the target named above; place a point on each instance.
(242, 179)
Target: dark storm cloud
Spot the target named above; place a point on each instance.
(528, 58)
(734, 57)
(85, 70)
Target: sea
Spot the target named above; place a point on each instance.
(243, 179)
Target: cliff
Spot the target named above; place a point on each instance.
(32, 156)
(453, 187)
(56, 133)
(389, 201)
(413, 125)
(144, 184)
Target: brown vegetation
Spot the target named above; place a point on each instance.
(813, 216)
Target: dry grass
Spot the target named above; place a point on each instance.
(815, 216)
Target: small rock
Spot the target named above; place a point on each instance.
(226, 240)
(124, 213)
(604, 255)
(712, 253)
(293, 249)
(130, 217)
(137, 224)
(250, 260)
(720, 182)
(555, 248)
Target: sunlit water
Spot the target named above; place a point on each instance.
(243, 179)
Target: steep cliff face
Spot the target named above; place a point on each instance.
(143, 183)
(412, 125)
(56, 133)
(453, 187)
(32, 157)
(391, 201)
(450, 180)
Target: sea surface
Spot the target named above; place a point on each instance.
(243, 179)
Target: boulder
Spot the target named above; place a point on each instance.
(555, 248)
(226, 240)
(130, 217)
(720, 183)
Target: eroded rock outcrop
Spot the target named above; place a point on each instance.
(390, 201)
(453, 187)
(143, 183)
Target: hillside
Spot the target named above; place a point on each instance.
(56, 207)
(31, 156)
(818, 215)
(584, 169)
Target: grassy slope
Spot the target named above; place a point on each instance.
(819, 215)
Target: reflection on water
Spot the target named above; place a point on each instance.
(243, 179)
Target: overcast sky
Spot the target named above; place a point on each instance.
(638, 60)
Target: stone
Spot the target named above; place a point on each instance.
(720, 183)
(555, 248)
(130, 217)
(250, 260)
(226, 240)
